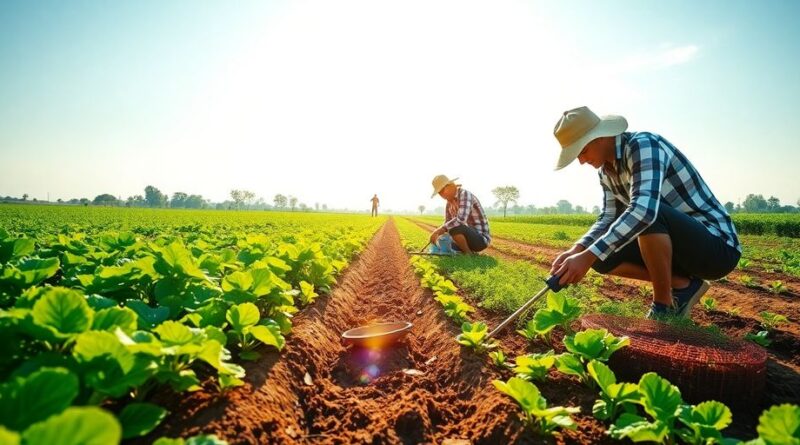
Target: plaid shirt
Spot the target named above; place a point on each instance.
(468, 211)
(649, 170)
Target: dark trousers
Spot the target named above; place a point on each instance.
(475, 240)
(696, 252)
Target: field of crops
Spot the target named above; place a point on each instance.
(100, 308)
(168, 326)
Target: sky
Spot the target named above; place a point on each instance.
(333, 102)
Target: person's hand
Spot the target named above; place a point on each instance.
(574, 267)
(563, 256)
(435, 236)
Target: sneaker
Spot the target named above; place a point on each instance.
(684, 299)
(660, 312)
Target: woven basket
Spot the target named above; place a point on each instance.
(704, 366)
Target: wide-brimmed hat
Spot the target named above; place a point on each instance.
(578, 127)
(439, 181)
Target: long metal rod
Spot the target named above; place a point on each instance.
(518, 312)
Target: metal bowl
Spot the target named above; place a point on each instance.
(377, 335)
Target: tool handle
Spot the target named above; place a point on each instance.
(552, 283)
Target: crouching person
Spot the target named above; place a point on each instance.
(660, 222)
(464, 217)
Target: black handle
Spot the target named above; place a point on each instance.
(552, 283)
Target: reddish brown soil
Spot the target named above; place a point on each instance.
(452, 398)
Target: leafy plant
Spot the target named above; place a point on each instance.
(499, 359)
(560, 311)
(778, 425)
(645, 291)
(761, 338)
(709, 304)
(669, 417)
(454, 306)
(585, 346)
(748, 281)
(777, 287)
(534, 366)
(248, 332)
(744, 263)
(473, 335)
(771, 320)
(614, 397)
(542, 419)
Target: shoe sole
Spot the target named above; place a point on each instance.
(695, 298)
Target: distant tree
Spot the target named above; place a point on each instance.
(303, 207)
(324, 206)
(421, 209)
(730, 207)
(292, 202)
(755, 203)
(280, 201)
(773, 204)
(238, 197)
(59, 200)
(505, 195)
(105, 199)
(84, 201)
(196, 202)
(580, 209)
(25, 197)
(316, 206)
(596, 210)
(154, 197)
(178, 200)
(564, 206)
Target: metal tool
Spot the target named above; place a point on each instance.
(552, 284)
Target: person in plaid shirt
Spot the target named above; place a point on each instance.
(464, 218)
(660, 222)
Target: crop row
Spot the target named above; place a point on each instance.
(94, 322)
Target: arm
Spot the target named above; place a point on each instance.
(648, 162)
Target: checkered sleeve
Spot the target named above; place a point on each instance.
(464, 207)
(648, 163)
(608, 215)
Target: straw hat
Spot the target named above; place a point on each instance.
(578, 127)
(439, 181)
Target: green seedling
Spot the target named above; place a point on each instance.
(777, 287)
(771, 320)
(761, 338)
(709, 304)
(538, 416)
(534, 366)
(473, 335)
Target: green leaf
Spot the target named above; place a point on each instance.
(138, 419)
(8, 437)
(601, 374)
(242, 316)
(570, 364)
(63, 310)
(29, 272)
(660, 398)
(15, 248)
(173, 333)
(76, 426)
(523, 391)
(115, 317)
(27, 400)
(269, 334)
(175, 260)
(638, 429)
(534, 366)
(780, 425)
(712, 413)
(149, 317)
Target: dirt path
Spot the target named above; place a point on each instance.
(358, 396)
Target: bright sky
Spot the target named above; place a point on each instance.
(332, 101)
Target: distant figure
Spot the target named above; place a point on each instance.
(464, 218)
(660, 222)
(375, 202)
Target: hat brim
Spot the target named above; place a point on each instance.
(608, 126)
(436, 191)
